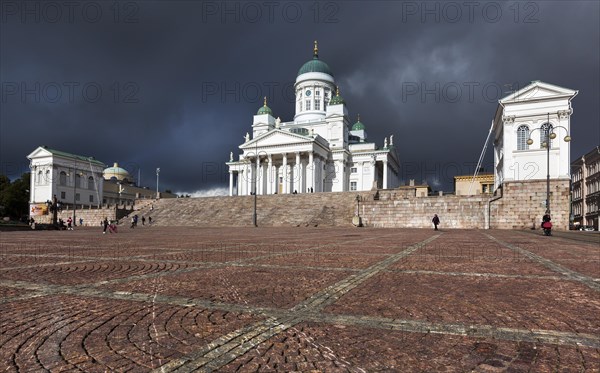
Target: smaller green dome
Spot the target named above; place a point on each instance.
(337, 99)
(358, 126)
(264, 109)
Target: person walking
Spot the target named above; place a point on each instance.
(143, 220)
(105, 225)
(435, 221)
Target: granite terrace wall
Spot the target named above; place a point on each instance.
(417, 212)
(523, 203)
(91, 217)
(520, 206)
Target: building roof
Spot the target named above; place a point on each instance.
(116, 172)
(73, 156)
(264, 109)
(315, 65)
(478, 177)
(337, 99)
(358, 126)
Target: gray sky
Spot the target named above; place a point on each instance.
(174, 84)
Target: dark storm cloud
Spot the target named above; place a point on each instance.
(175, 84)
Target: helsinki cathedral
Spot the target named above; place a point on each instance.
(319, 151)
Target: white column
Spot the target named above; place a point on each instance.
(298, 174)
(311, 171)
(318, 172)
(248, 176)
(385, 174)
(258, 176)
(238, 184)
(270, 174)
(285, 174)
(230, 183)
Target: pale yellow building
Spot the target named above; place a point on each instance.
(483, 184)
(120, 188)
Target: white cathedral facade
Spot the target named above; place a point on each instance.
(319, 151)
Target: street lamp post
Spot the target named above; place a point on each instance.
(254, 220)
(75, 174)
(157, 172)
(549, 136)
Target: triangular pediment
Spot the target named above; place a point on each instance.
(538, 90)
(39, 152)
(276, 137)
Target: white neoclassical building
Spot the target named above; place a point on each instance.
(319, 151)
(532, 113)
(72, 178)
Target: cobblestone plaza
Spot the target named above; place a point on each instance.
(170, 299)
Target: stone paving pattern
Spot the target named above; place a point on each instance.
(182, 299)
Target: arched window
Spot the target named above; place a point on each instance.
(544, 132)
(40, 178)
(47, 179)
(522, 136)
(78, 180)
(91, 183)
(63, 178)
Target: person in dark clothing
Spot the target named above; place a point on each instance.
(435, 221)
(105, 225)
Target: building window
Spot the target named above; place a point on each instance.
(63, 195)
(47, 179)
(353, 170)
(308, 104)
(91, 198)
(353, 185)
(91, 183)
(76, 196)
(63, 179)
(317, 104)
(544, 132)
(522, 137)
(78, 180)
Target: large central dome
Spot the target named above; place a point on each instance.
(315, 65)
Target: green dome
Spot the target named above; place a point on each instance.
(264, 109)
(315, 66)
(116, 172)
(337, 99)
(358, 126)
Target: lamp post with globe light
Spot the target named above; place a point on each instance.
(548, 135)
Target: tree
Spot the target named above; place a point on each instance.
(14, 197)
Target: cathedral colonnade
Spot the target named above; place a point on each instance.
(285, 173)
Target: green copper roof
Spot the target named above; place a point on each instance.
(75, 156)
(315, 66)
(264, 110)
(337, 99)
(358, 126)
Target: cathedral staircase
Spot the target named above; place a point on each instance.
(291, 210)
